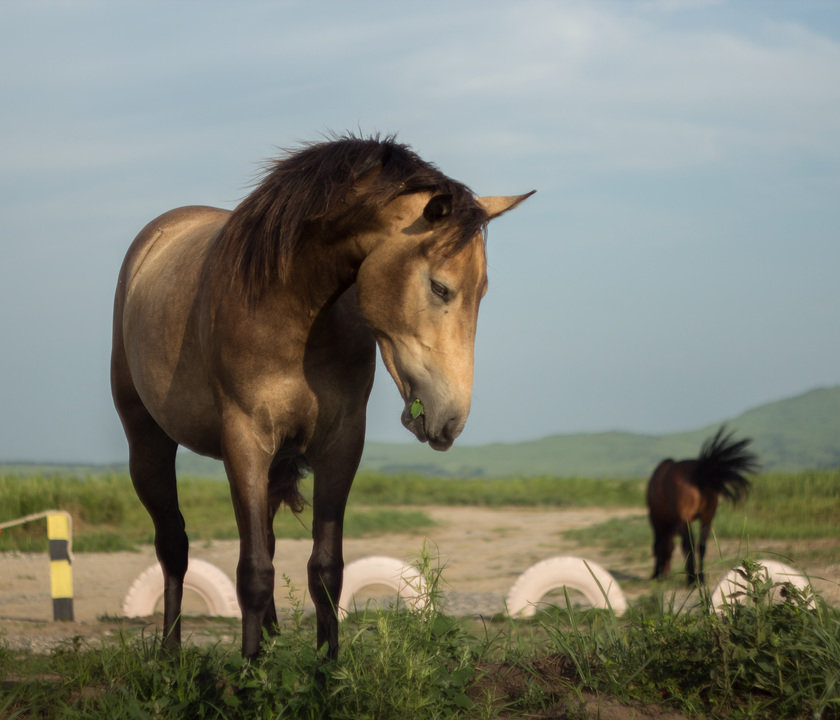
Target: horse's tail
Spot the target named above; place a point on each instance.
(283, 478)
(724, 464)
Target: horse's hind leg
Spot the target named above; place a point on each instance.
(705, 528)
(689, 550)
(663, 548)
(283, 477)
(152, 468)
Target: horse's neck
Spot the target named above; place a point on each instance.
(318, 275)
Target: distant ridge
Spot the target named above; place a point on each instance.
(792, 434)
(796, 433)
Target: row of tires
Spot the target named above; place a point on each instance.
(595, 583)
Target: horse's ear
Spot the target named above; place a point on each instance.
(499, 204)
(439, 207)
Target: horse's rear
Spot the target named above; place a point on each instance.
(674, 502)
(156, 361)
(158, 381)
(179, 355)
(681, 492)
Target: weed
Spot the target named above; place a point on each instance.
(759, 659)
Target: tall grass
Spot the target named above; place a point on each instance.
(757, 659)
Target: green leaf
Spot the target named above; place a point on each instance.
(416, 409)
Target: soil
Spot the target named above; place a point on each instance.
(482, 551)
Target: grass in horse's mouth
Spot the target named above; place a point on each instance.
(416, 409)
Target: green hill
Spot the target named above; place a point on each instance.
(792, 434)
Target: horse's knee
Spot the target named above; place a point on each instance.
(254, 584)
(325, 576)
(172, 547)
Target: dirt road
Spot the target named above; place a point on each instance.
(483, 551)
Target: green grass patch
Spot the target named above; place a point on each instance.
(786, 505)
(631, 534)
(108, 516)
(759, 659)
(370, 488)
(789, 506)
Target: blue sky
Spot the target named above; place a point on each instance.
(677, 266)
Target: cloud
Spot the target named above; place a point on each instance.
(629, 89)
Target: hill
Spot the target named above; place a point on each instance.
(791, 434)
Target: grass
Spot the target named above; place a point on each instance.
(372, 488)
(756, 660)
(107, 516)
(783, 506)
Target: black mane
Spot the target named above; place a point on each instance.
(312, 187)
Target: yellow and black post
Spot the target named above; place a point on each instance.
(61, 572)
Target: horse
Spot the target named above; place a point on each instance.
(681, 492)
(250, 336)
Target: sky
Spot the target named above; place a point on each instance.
(677, 266)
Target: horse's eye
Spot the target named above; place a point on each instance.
(440, 290)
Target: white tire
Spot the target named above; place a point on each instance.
(734, 586)
(404, 579)
(204, 579)
(597, 585)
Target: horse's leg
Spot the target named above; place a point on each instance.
(688, 548)
(700, 551)
(333, 478)
(283, 478)
(152, 468)
(269, 622)
(663, 548)
(706, 517)
(247, 470)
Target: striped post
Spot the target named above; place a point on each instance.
(61, 572)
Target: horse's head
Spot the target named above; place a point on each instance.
(419, 290)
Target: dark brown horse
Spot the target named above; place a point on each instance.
(250, 336)
(681, 492)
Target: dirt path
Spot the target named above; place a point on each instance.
(483, 551)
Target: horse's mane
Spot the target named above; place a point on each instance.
(724, 463)
(313, 188)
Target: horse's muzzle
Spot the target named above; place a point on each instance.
(425, 429)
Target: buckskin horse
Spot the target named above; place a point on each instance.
(681, 492)
(250, 336)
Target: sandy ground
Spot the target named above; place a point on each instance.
(483, 551)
